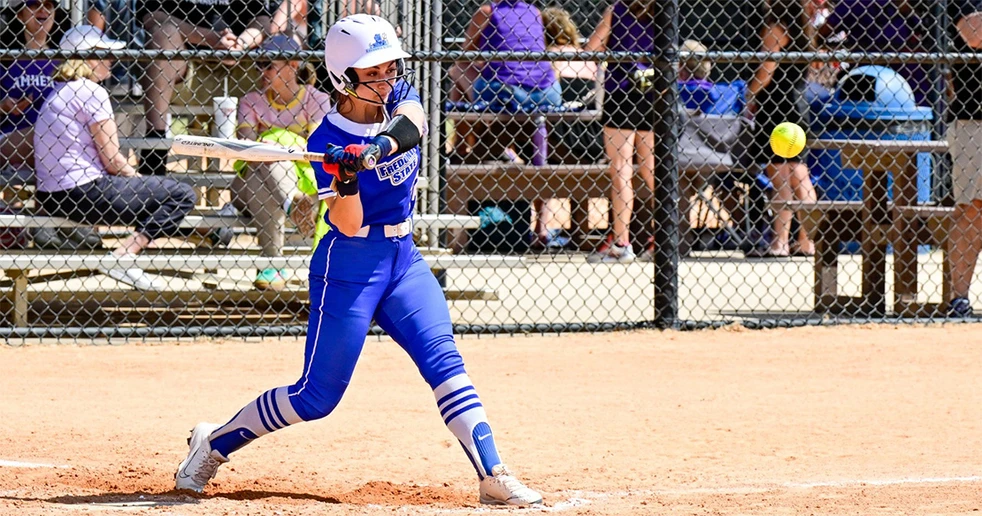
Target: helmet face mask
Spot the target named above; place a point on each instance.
(363, 41)
(402, 73)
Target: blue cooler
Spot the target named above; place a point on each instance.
(870, 103)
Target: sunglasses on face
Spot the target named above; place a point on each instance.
(34, 4)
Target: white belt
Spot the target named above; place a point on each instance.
(391, 231)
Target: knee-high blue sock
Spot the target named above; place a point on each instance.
(269, 412)
(464, 415)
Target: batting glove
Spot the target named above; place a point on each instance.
(367, 150)
(338, 156)
(343, 173)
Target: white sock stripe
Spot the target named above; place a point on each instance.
(316, 328)
(267, 424)
(271, 409)
(459, 401)
(454, 386)
(281, 395)
(453, 400)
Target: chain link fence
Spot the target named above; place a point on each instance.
(587, 166)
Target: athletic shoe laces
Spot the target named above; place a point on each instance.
(207, 471)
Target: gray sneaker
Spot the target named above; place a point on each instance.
(134, 277)
(81, 237)
(609, 252)
(502, 488)
(202, 462)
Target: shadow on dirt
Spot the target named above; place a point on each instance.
(174, 497)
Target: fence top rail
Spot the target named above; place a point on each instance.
(742, 57)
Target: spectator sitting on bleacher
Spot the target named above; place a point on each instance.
(514, 26)
(285, 111)
(695, 88)
(31, 25)
(628, 118)
(578, 82)
(81, 174)
(776, 95)
(115, 19)
(576, 78)
(174, 25)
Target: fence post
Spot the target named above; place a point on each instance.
(666, 194)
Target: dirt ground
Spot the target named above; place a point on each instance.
(845, 420)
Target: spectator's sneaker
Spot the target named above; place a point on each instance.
(553, 241)
(221, 237)
(202, 462)
(610, 252)
(501, 488)
(648, 255)
(81, 238)
(270, 279)
(134, 277)
(47, 238)
(960, 308)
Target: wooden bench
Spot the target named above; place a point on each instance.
(876, 222)
(30, 266)
(420, 222)
(578, 183)
(19, 266)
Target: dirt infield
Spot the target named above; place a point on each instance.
(848, 420)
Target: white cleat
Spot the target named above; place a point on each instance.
(201, 463)
(501, 488)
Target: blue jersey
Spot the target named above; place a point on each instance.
(388, 193)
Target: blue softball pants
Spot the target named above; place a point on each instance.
(354, 280)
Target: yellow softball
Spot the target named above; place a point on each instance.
(788, 140)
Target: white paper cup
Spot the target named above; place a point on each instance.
(224, 120)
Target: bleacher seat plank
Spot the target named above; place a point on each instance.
(422, 222)
(134, 298)
(30, 260)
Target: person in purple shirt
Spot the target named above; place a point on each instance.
(628, 118)
(515, 26)
(883, 26)
(24, 83)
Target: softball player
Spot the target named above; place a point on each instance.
(367, 267)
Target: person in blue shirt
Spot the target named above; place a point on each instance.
(367, 267)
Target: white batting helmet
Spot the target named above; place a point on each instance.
(359, 41)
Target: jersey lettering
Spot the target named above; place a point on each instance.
(399, 169)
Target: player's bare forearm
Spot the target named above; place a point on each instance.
(346, 213)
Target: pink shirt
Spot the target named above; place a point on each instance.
(302, 115)
(65, 155)
(573, 69)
